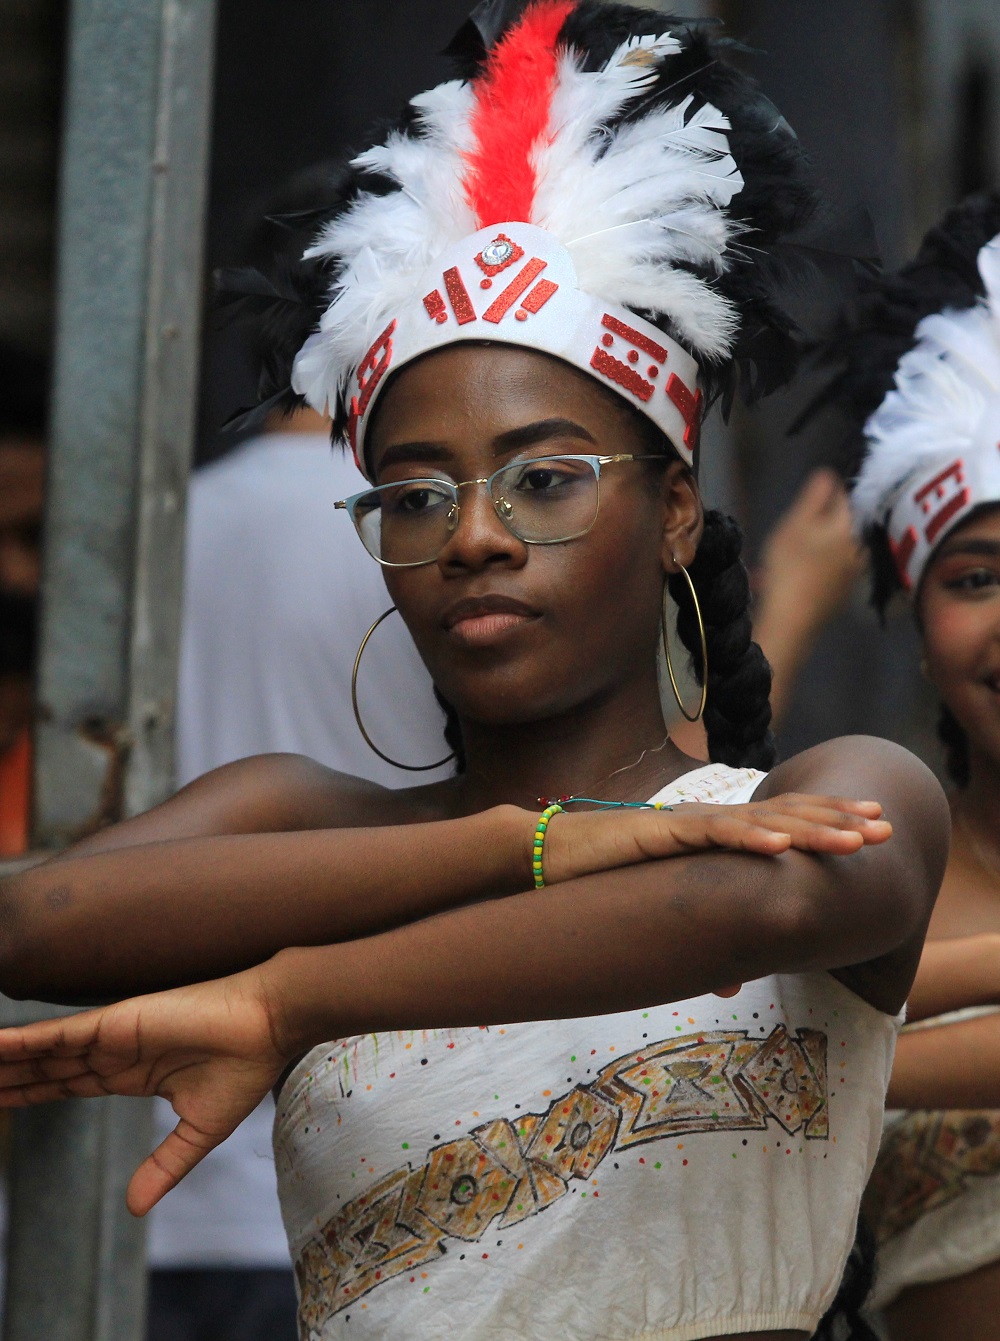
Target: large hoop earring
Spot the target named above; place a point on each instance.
(410, 768)
(704, 650)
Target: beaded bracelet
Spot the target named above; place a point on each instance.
(536, 854)
(556, 807)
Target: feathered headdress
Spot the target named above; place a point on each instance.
(582, 190)
(933, 437)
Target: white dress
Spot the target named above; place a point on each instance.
(934, 1197)
(677, 1172)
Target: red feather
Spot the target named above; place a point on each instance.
(511, 113)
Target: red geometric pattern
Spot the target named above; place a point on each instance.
(621, 374)
(902, 553)
(458, 294)
(689, 404)
(371, 370)
(504, 301)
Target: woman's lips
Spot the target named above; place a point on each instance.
(480, 630)
(479, 621)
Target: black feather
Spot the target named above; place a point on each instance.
(482, 30)
(777, 202)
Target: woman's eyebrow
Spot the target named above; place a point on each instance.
(430, 453)
(543, 430)
(988, 548)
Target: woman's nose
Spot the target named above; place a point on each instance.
(478, 535)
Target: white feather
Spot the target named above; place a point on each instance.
(942, 387)
(383, 244)
(632, 206)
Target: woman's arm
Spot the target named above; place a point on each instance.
(659, 931)
(652, 932)
(138, 918)
(111, 924)
(954, 975)
(948, 1066)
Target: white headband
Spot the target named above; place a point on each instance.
(934, 442)
(515, 284)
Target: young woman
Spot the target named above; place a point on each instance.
(924, 380)
(449, 1165)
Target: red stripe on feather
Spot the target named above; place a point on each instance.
(511, 113)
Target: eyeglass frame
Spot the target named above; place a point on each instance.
(596, 462)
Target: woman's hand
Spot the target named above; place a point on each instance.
(583, 842)
(210, 1049)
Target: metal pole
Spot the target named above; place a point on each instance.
(130, 251)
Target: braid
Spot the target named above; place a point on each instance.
(843, 1320)
(956, 747)
(738, 708)
(452, 731)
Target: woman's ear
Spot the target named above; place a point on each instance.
(683, 517)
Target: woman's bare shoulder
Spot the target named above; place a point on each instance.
(277, 792)
(270, 793)
(847, 765)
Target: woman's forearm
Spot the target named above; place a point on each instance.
(612, 941)
(954, 975)
(948, 1066)
(135, 919)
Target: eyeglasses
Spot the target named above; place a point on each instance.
(544, 501)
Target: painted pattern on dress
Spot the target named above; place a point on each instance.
(926, 1160)
(505, 1171)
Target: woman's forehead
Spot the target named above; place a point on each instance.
(983, 527)
(485, 391)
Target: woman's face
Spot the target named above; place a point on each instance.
(513, 632)
(959, 610)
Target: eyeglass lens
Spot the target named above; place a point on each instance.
(541, 502)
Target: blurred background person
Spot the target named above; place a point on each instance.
(809, 565)
(922, 384)
(278, 595)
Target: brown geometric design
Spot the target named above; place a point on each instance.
(575, 1134)
(927, 1160)
(789, 1078)
(509, 1171)
(470, 1182)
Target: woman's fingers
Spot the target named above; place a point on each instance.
(811, 826)
(37, 1070)
(577, 844)
(89, 1085)
(171, 1161)
(795, 801)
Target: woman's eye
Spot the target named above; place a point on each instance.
(537, 479)
(543, 479)
(977, 579)
(417, 499)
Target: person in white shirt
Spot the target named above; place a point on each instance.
(277, 598)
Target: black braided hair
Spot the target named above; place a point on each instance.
(738, 705)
